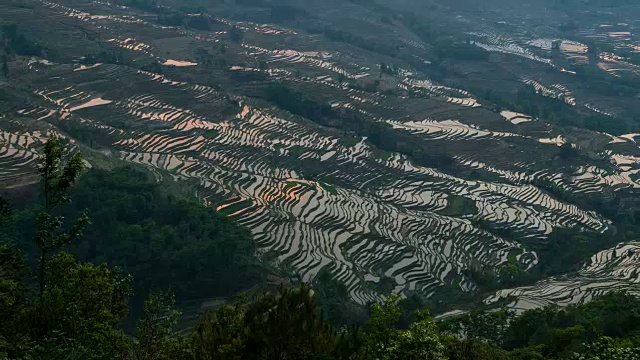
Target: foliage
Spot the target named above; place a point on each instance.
(420, 341)
(57, 177)
(111, 56)
(472, 349)
(82, 306)
(17, 43)
(610, 349)
(163, 240)
(220, 334)
(379, 328)
(552, 332)
(284, 325)
(460, 51)
(334, 299)
(236, 34)
(13, 274)
(299, 104)
(154, 336)
(384, 341)
(483, 326)
(288, 325)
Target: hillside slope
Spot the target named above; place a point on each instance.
(400, 148)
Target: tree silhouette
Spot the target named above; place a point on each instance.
(57, 177)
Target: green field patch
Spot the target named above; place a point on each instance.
(459, 205)
(291, 184)
(329, 188)
(211, 134)
(455, 282)
(296, 151)
(349, 141)
(235, 207)
(385, 155)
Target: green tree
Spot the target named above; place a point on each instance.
(472, 349)
(57, 177)
(161, 238)
(83, 306)
(13, 274)
(282, 325)
(420, 342)
(287, 325)
(380, 328)
(384, 341)
(567, 151)
(220, 334)
(609, 349)
(488, 326)
(155, 337)
(236, 34)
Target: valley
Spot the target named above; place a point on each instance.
(400, 154)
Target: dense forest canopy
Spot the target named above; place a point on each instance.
(162, 239)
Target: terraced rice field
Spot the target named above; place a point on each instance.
(19, 155)
(366, 219)
(17, 158)
(609, 270)
(315, 198)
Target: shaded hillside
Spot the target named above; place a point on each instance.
(153, 233)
